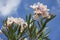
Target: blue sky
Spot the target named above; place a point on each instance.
(19, 8)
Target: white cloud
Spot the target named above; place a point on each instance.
(8, 6)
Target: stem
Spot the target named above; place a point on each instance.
(30, 38)
(43, 26)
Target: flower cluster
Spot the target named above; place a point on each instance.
(0, 32)
(40, 9)
(18, 21)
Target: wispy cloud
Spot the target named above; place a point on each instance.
(58, 2)
(8, 6)
(56, 9)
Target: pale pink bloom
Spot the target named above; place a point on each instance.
(34, 6)
(21, 29)
(46, 15)
(35, 17)
(10, 21)
(49, 17)
(25, 39)
(26, 24)
(23, 26)
(15, 20)
(43, 8)
(37, 12)
(40, 9)
(18, 21)
(1, 32)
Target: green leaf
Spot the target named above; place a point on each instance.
(21, 34)
(38, 24)
(44, 24)
(5, 33)
(26, 17)
(30, 17)
(15, 28)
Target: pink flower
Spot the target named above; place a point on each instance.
(35, 17)
(17, 21)
(40, 9)
(1, 32)
(10, 21)
(34, 6)
(46, 15)
(43, 8)
(23, 26)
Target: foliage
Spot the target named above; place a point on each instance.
(36, 29)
